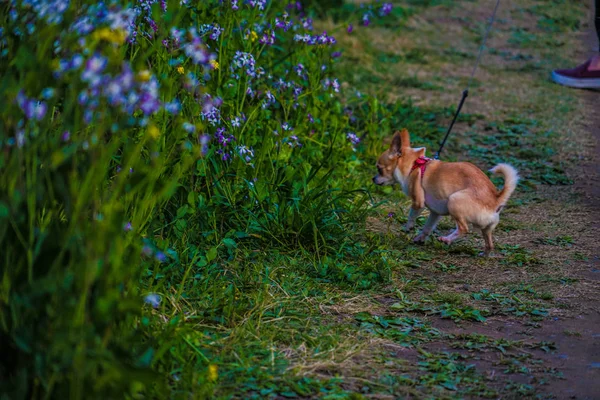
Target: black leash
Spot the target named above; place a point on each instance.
(465, 93)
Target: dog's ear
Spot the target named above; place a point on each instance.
(396, 144)
(405, 138)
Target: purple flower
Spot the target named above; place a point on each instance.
(331, 83)
(269, 100)
(222, 137)
(292, 141)
(351, 136)
(189, 128)
(225, 156)
(33, 109)
(261, 4)
(336, 85)
(48, 93)
(95, 64)
(391, 215)
(20, 138)
(386, 9)
(113, 91)
(93, 69)
(204, 139)
(365, 20)
(66, 136)
(148, 103)
(146, 250)
(127, 227)
(268, 38)
(300, 71)
(36, 109)
(173, 107)
(297, 5)
(350, 28)
(214, 31)
(284, 23)
(76, 61)
(153, 299)
(88, 116)
(160, 257)
(307, 24)
(322, 39)
(245, 153)
(196, 50)
(244, 61)
(211, 112)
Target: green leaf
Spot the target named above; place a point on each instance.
(230, 243)
(145, 359)
(289, 394)
(3, 210)
(202, 262)
(191, 199)
(211, 254)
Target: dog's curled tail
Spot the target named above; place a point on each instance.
(511, 178)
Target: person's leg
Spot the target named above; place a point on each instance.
(598, 22)
(587, 75)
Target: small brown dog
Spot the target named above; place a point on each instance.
(458, 189)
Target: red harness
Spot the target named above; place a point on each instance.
(420, 163)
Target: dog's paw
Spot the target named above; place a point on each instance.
(445, 239)
(420, 238)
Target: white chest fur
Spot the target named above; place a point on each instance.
(402, 180)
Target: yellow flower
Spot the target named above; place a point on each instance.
(180, 70)
(253, 36)
(215, 64)
(144, 76)
(213, 372)
(116, 36)
(153, 132)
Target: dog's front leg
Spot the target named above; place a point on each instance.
(417, 195)
(430, 225)
(413, 214)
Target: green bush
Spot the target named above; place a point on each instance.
(152, 136)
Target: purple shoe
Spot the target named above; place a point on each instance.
(579, 77)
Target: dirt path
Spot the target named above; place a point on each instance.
(580, 358)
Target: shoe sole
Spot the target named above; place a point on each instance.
(586, 83)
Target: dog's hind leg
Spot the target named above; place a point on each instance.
(459, 208)
(430, 225)
(487, 238)
(461, 228)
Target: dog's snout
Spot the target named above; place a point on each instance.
(375, 179)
